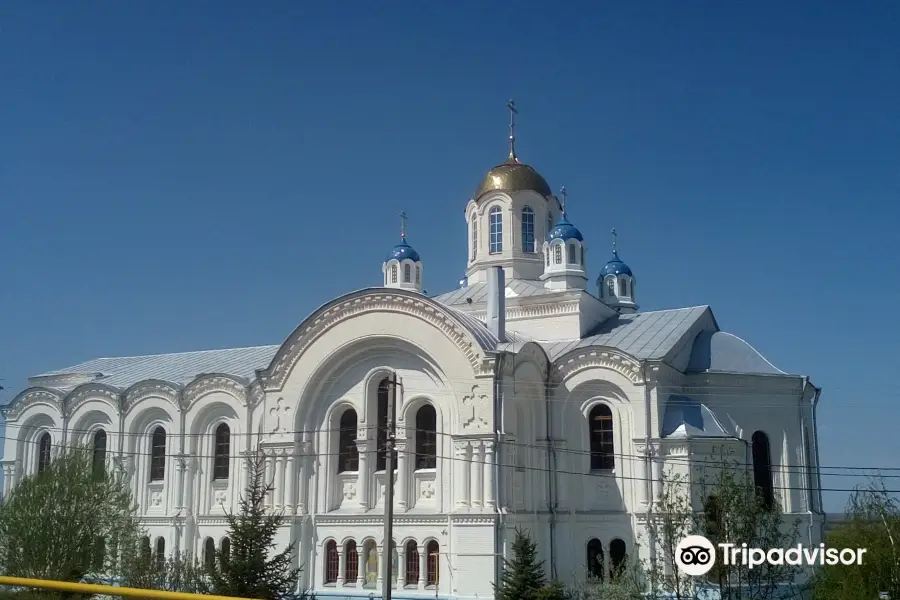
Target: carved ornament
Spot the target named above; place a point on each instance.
(586, 358)
(30, 397)
(208, 384)
(152, 388)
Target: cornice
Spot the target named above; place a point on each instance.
(535, 311)
(377, 300)
(746, 383)
(607, 358)
(30, 397)
(378, 519)
(212, 383)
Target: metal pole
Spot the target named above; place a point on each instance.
(390, 438)
(106, 590)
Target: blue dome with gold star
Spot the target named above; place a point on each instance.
(563, 230)
(403, 251)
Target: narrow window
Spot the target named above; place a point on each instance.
(571, 254)
(381, 438)
(332, 562)
(99, 554)
(412, 563)
(348, 454)
(160, 553)
(624, 286)
(393, 273)
(426, 437)
(371, 564)
(407, 273)
(617, 554)
(418, 274)
(43, 453)
(433, 563)
(547, 256)
(474, 236)
(582, 256)
(222, 452)
(99, 455)
(209, 553)
(495, 219)
(527, 229)
(595, 559)
(557, 254)
(226, 548)
(810, 473)
(711, 517)
(395, 563)
(611, 287)
(762, 469)
(158, 455)
(601, 431)
(351, 566)
(145, 548)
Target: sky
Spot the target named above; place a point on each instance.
(185, 176)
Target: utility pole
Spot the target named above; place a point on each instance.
(390, 438)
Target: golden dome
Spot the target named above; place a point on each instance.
(513, 176)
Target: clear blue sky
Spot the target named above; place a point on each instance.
(180, 176)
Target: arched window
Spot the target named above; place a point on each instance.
(393, 273)
(617, 554)
(222, 452)
(527, 229)
(99, 561)
(372, 559)
(418, 274)
(351, 565)
(407, 273)
(624, 286)
(571, 254)
(711, 517)
(43, 452)
(595, 559)
(603, 457)
(426, 437)
(495, 219)
(158, 455)
(762, 469)
(474, 236)
(412, 562)
(582, 256)
(348, 454)
(381, 438)
(99, 458)
(432, 575)
(547, 256)
(395, 563)
(145, 548)
(209, 553)
(160, 553)
(226, 548)
(611, 287)
(557, 254)
(332, 562)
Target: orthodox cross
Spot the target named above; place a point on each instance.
(403, 225)
(511, 105)
(565, 196)
(614, 234)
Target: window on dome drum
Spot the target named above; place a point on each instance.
(418, 274)
(527, 229)
(547, 255)
(209, 552)
(557, 254)
(332, 562)
(595, 559)
(762, 469)
(348, 453)
(603, 456)
(571, 254)
(222, 452)
(158, 455)
(474, 236)
(351, 565)
(611, 287)
(407, 273)
(495, 220)
(381, 438)
(412, 562)
(393, 273)
(43, 453)
(98, 460)
(582, 255)
(426, 437)
(617, 554)
(160, 553)
(624, 286)
(226, 548)
(432, 575)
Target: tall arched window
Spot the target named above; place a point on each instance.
(99, 456)
(582, 256)
(432, 575)
(527, 229)
(160, 553)
(418, 274)
(145, 548)
(158, 455)
(762, 469)
(623, 283)
(348, 454)
(393, 273)
(571, 254)
(226, 548)
(407, 273)
(617, 554)
(209, 552)
(711, 518)
(351, 565)
(611, 287)
(99, 561)
(547, 256)
(495, 220)
(595, 559)
(43, 452)
(332, 562)
(412, 562)
(557, 254)
(426, 437)
(603, 455)
(381, 438)
(222, 452)
(474, 236)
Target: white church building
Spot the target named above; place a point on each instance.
(528, 396)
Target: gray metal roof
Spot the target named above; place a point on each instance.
(722, 352)
(517, 288)
(645, 336)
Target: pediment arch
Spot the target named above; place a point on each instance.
(31, 397)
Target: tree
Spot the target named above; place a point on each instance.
(523, 576)
(70, 522)
(873, 523)
(249, 571)
(175, 573)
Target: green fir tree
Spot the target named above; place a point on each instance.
(523, 576)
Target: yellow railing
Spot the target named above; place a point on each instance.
(108, 590)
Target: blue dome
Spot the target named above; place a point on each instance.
(564, 231)
(403, 251)
(615, 266)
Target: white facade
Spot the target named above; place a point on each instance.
(526, 400)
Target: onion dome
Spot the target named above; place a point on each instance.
(403, 251)
(563, 230)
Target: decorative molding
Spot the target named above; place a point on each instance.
(369, 301)
(475, 410)
(31, 397)
(535, 311)
(151, 388)
(378, 519)
(585, 358)
(204, 385)
(92, 391)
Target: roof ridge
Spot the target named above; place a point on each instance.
(179, 353)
